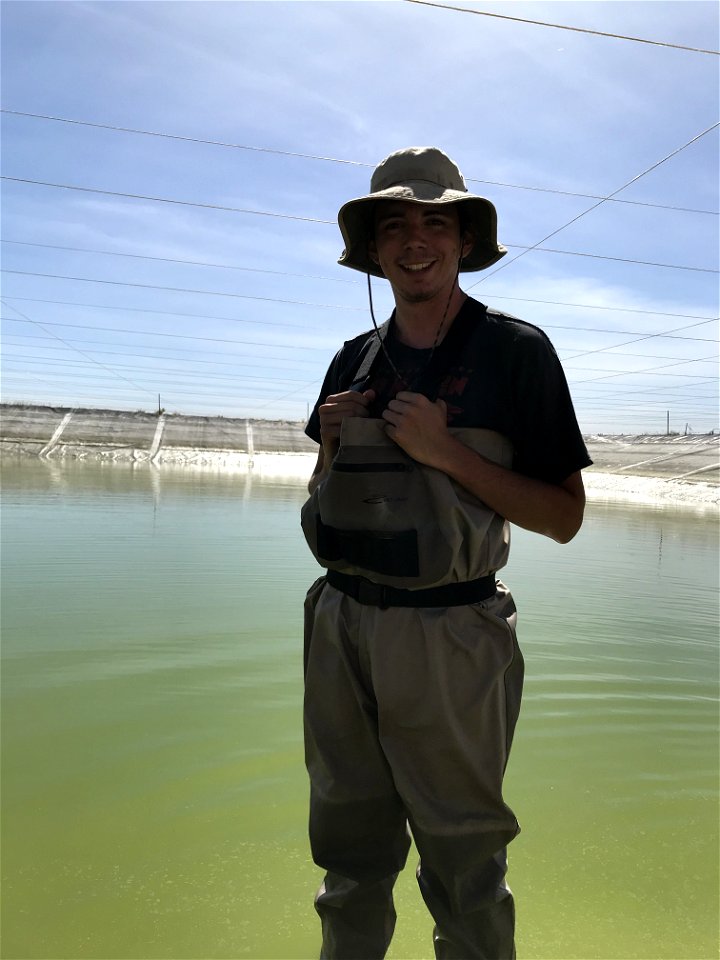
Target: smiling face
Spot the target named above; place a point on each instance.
(418, 247)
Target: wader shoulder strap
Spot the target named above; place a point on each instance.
(363, 371)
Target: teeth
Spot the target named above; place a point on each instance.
(417, 266)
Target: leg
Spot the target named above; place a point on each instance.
(358, 919)
(486, 933)
(358, 827)
(447, 736)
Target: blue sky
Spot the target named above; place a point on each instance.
(110, 300)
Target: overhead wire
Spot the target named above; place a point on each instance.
(160, 373)
(178, 260)
(560, 26)
(223, 353)
(356, 163)
(649, 370)
(496, 296)
(584, 213)
(164, 313)
(154, 286)
(107, 369)
(182, 203)
(203, 292)
(525, 250)
(549, 326)
(229, 266)
(626, 343)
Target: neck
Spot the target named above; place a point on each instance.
(417, 324)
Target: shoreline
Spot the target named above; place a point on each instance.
(296, 468)
(649, 469)
(650, 491)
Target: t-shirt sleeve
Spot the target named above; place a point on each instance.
(339, 377)
(312, 428)
(548, 443)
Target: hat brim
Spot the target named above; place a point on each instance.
(356, 222)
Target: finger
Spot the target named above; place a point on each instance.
(391, 416)
(349, 396)
(408, 397)
(344, 408)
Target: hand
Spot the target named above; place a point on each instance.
(340, 405)
(419, 426)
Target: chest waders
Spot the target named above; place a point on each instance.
(381, 515)
(413, 680)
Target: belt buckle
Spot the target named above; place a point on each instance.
(372, 594)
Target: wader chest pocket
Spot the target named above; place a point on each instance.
(387, 541)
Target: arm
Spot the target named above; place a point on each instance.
(419, 427)
(319, 472)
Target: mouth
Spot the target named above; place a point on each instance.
(420, 267)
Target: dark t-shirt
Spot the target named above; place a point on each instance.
(493, 371)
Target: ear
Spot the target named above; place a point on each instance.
(468, 242)
(372, 252)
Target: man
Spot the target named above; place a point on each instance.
(436, 431)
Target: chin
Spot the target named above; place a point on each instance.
(419, 296)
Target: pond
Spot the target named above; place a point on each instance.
(154, 794)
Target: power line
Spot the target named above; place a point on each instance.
(631, 392)
(635, 179)
(239, 365)
(626, 343)
(174, 136)
(594, 196)
(107, 369)
(157, 373)
(152, 286)
(548, 326)
(168, 313)
(496, 296)
(356, 163)
(287, 216)
(182, 203)
(559, 26)
(122, 347)
(651, 370)
(223, 353)
(281, 273)
(597, 256)
(189, 263)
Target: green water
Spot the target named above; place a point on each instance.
(153, 791)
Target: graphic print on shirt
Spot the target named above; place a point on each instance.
(452, 388)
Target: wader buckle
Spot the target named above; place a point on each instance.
(372, 594)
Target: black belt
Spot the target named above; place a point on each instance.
(378, 595)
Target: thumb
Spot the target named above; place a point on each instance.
(442, 407)
(369, 395)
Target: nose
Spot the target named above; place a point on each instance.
(415, 234)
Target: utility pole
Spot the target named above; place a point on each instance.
(667, 429)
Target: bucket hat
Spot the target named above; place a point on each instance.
(420, 175)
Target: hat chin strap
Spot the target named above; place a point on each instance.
(400, 377)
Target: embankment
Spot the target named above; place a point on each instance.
(641, 469)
